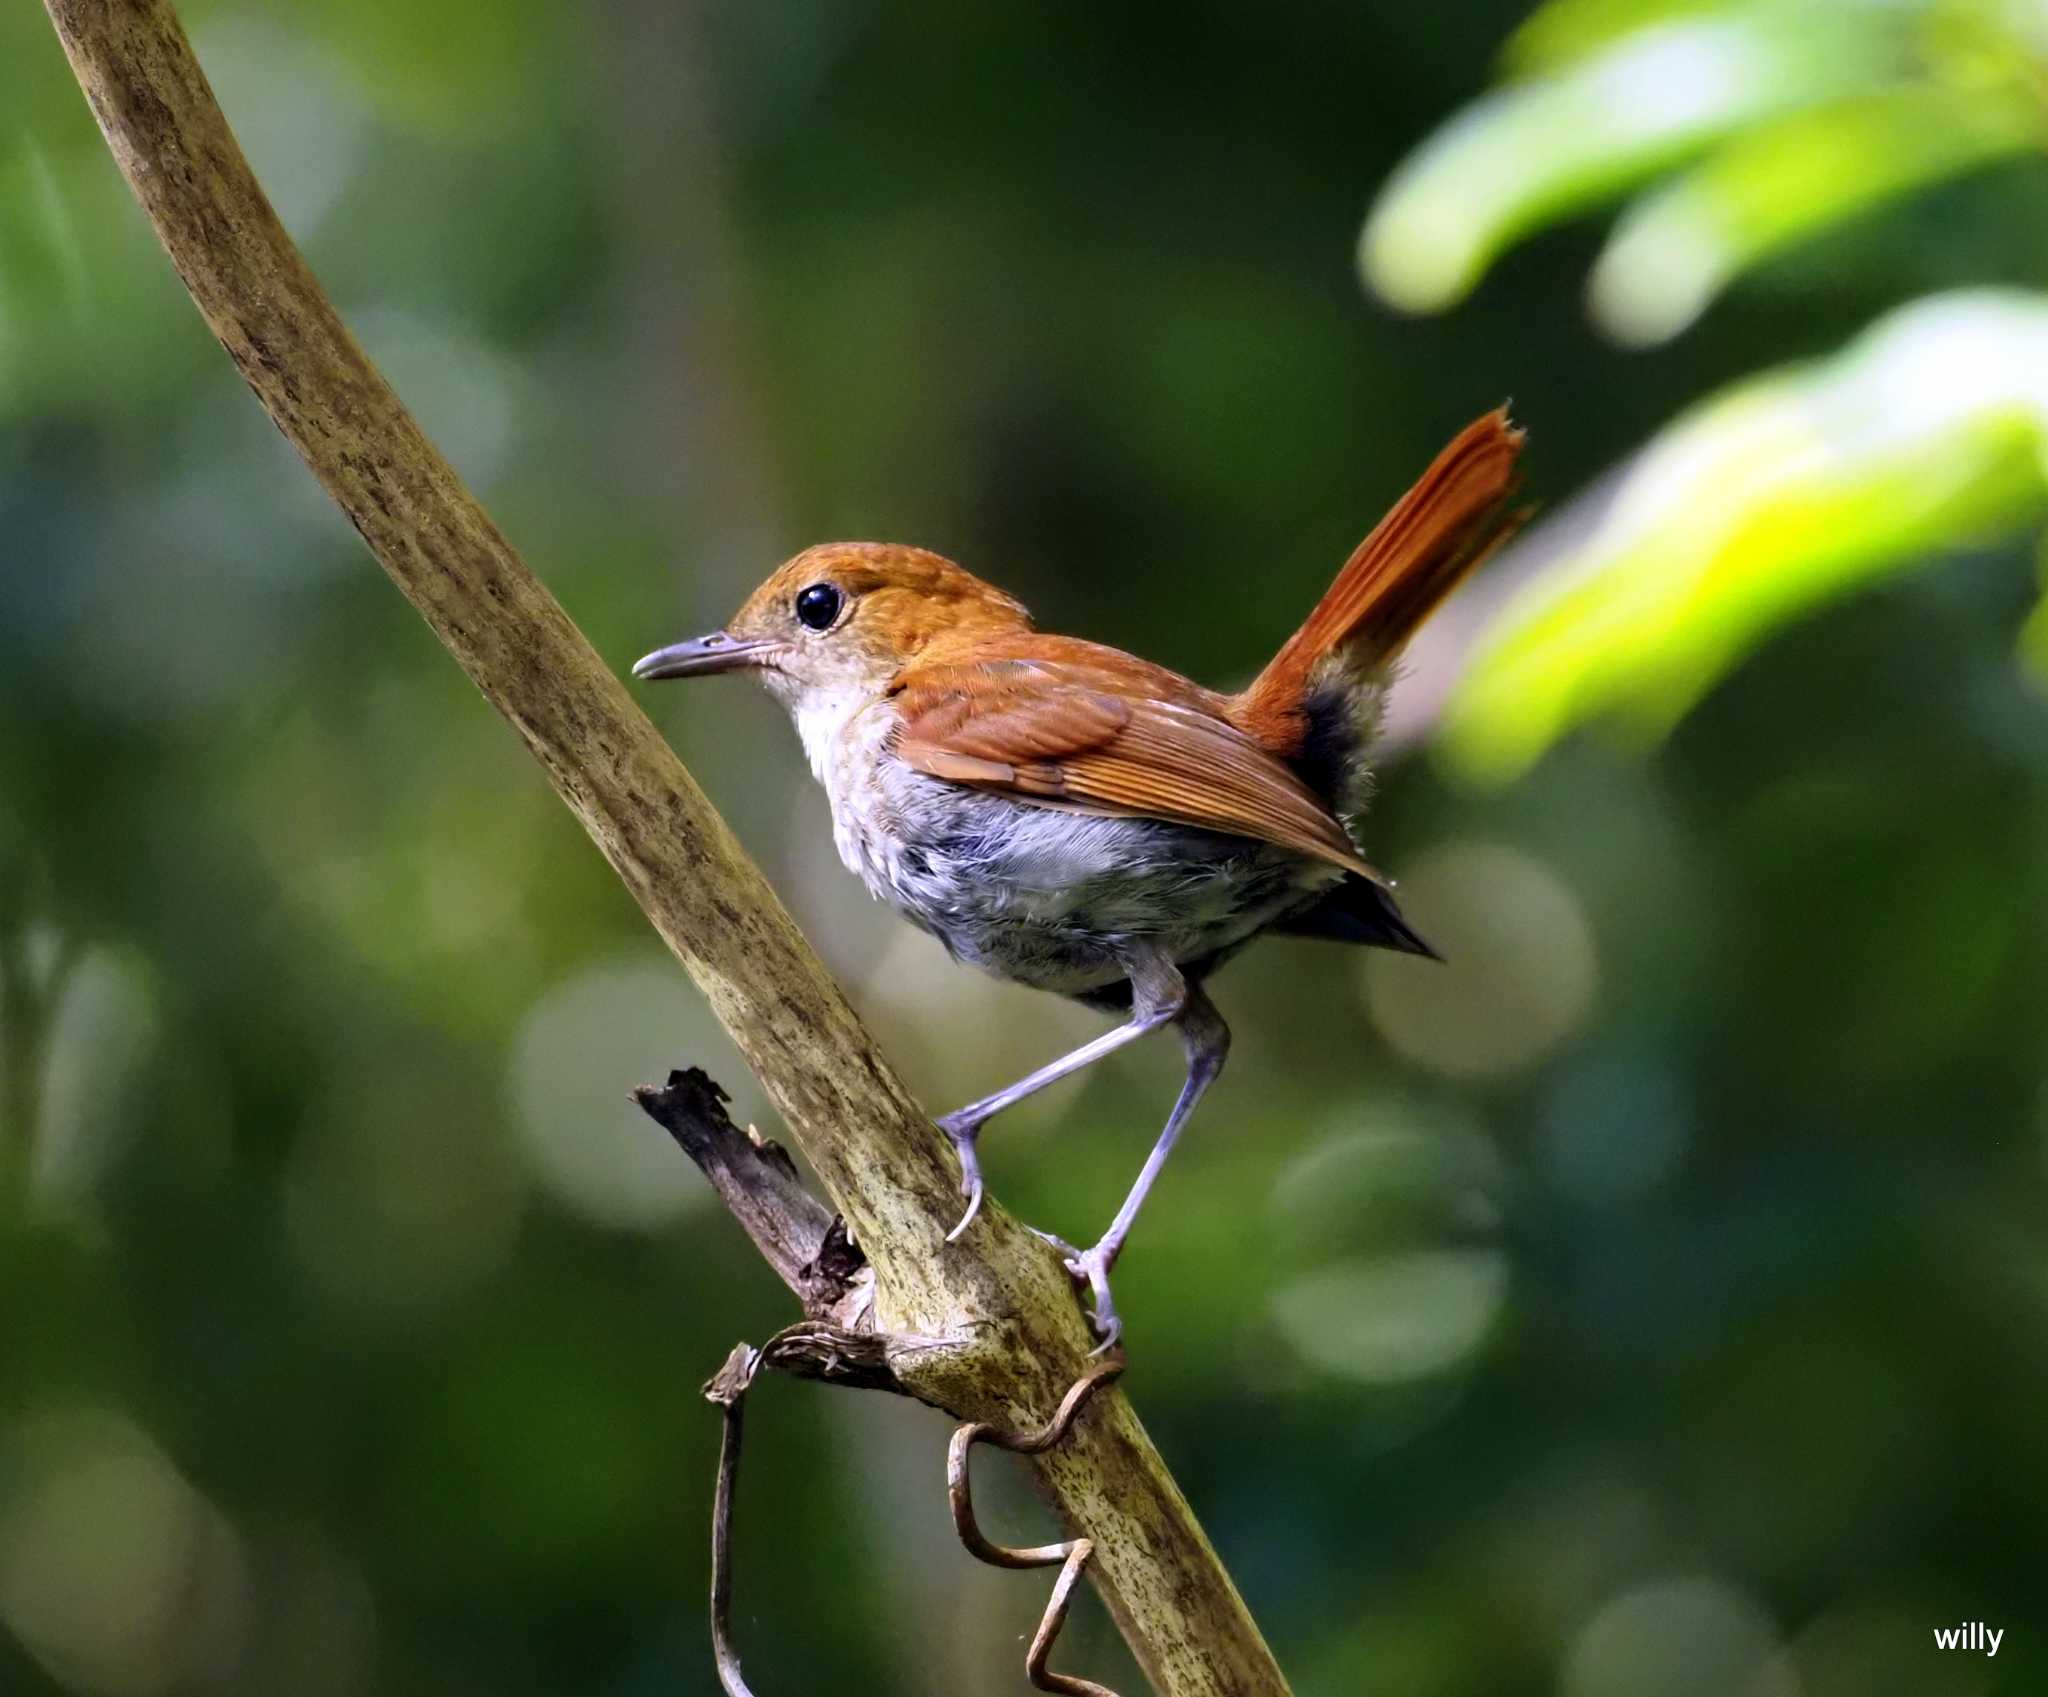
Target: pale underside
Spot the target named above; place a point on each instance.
(1039, 892)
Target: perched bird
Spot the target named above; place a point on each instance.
(1071, 817)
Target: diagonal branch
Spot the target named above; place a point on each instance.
(1016, 1335)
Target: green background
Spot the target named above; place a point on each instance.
(1649, 1303)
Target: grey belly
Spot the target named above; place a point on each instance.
(1060, 900)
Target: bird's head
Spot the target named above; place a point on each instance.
(843, 619)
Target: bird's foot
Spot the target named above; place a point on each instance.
(965, 1133)
(1090, 1268)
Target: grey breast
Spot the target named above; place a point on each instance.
(1056, 898)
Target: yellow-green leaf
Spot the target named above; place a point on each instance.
(1795, 487)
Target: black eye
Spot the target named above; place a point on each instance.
(818, 606)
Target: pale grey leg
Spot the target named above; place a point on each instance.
(1158, 994)
(1207, 1042)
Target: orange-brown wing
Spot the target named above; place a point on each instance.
(1049, 732)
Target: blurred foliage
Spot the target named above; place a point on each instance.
(1782, 492)
(1774, 122)
(1650, 1301)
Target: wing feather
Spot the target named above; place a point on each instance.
(1057, 732)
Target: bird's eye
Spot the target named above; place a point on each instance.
(818, 606)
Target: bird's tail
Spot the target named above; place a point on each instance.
(1458, 512)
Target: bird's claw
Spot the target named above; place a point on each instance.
(1089, 1269)
(964, 1134)
(973, 1190)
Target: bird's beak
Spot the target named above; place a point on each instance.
(718, 652)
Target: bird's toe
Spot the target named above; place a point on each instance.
(970, 1187)
(1067, 1252)
(963, 1132)
(1091, 1267)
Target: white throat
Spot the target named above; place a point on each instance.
(821, 714)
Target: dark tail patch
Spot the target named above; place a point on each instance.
(1358, 911)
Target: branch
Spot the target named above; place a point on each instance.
(1013, 1335)
(796, 1234)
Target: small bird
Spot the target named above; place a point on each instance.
(1071, 817)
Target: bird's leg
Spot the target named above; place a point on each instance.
(1157, 994)
(1207, 1041)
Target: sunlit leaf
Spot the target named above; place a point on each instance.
(1555, 144)
(1789, 490)
(1673, 252)
(1568, 29)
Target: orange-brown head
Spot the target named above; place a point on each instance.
(843, 618)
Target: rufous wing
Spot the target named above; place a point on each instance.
(1051, 732)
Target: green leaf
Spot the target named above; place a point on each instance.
(1674, 251)
(1564, 30)
(1558, 143)
(1787, 491)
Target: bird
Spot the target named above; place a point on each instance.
(1070, 817)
